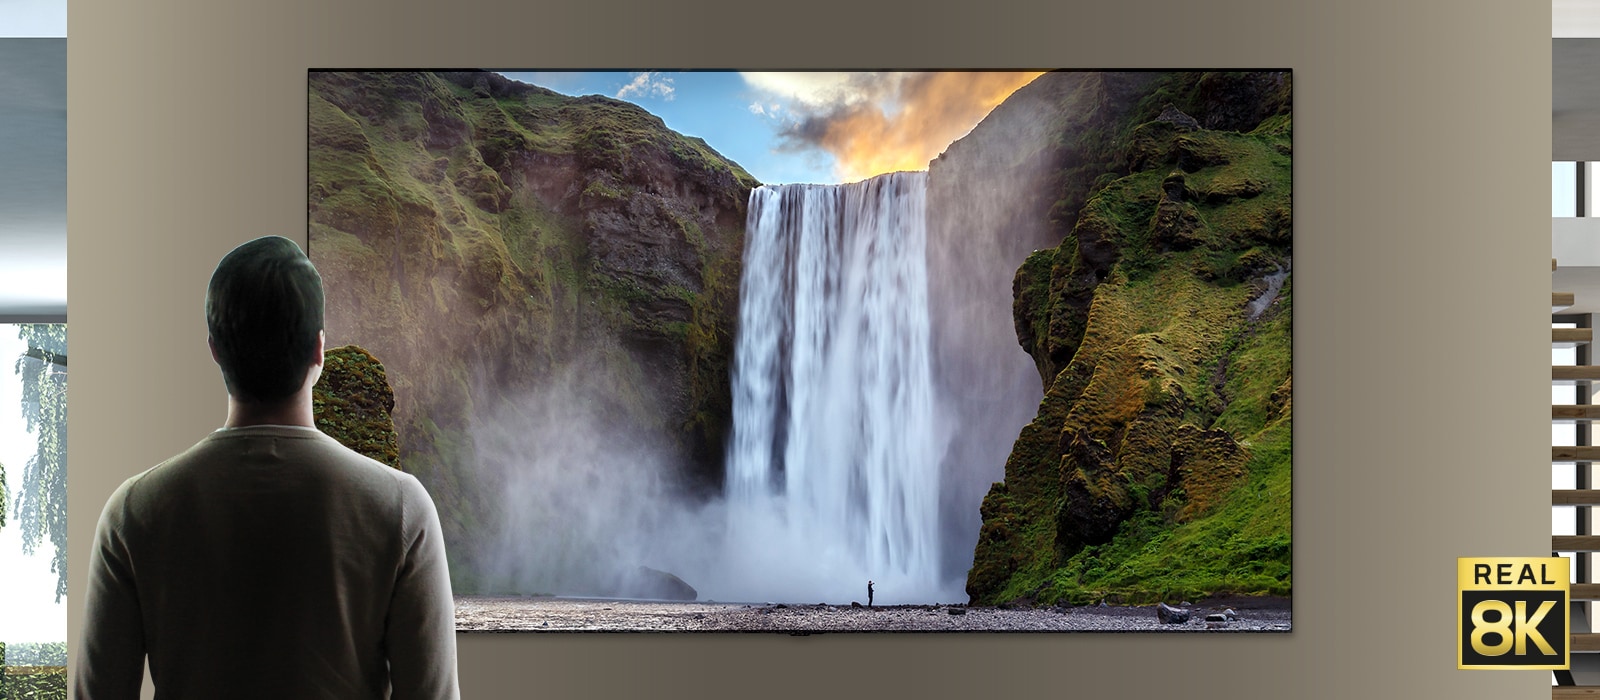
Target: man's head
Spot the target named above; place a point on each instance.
(264, 314)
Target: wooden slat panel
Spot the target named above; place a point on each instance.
(1562, 298)
(1575, 543)
(1558, 692)
(1571, 337)
(1575, 497)
(1583, 412)
(1566, 374)
(1588, 643)
(1575, 453)
(1586, 592)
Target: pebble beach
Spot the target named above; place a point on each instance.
(553, 614)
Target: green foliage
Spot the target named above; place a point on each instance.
(33, 671)
(1125, 208)
(33, 654)
(40, 684)
(1243, 547)
(41, 502)
(1257, 363)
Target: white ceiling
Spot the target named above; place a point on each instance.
(1574, 18)
(33, 177)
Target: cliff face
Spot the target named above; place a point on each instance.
(1158, 463)
(488, 239)
(990, 198)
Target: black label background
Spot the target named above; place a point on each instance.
(1553, 627)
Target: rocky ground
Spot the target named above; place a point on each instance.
(542, 614)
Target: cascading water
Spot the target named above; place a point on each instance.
(833, 469)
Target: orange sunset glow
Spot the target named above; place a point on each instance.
(929, 112)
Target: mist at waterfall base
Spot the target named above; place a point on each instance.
(838, 462)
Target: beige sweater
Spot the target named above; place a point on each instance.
(269, 562)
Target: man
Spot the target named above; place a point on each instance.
(268, 561)
(869, 594)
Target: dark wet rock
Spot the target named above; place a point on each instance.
(1177, 224)
(1174, 116)
(655, 584)
(1093, 506)
(1240, 101)
(1170, 615)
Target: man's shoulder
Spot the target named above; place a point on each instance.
(264, 452)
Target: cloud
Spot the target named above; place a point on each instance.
(648, 84)
(757, 109)
(816, 90)
(873, 123)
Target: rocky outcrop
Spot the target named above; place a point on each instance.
(1169, 615)
(352, 403)
(655, 584)
(1157, 465)
(489, 239)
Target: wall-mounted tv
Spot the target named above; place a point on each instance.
(715, 350)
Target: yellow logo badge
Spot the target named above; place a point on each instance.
(1513, 613)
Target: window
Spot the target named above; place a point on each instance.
(1564, 188)
(33, 619)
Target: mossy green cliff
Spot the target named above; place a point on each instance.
(1158, 466)
(487, 238)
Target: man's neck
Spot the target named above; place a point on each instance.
(295, 410)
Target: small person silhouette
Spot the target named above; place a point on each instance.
(869, 594)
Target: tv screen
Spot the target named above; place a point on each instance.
(823, 351)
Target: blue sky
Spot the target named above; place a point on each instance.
(806, 126)
(713, 105)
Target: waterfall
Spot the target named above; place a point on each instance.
(833, 469)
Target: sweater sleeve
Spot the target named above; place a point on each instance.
(421, 631)
(110, 659)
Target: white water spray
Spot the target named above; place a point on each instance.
(833, 469)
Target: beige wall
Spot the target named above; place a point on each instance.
(1420, 194)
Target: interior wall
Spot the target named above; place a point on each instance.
(1420, 192)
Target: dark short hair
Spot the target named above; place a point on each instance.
(263, 311)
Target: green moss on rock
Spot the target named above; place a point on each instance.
(353, 403)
